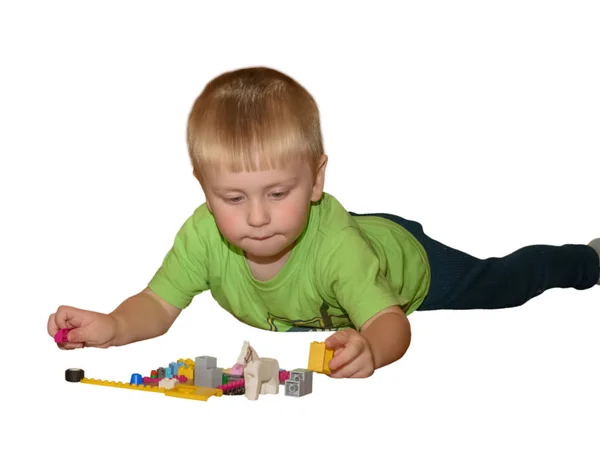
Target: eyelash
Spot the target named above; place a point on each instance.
(237, 199)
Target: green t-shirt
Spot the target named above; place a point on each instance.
(342, 270)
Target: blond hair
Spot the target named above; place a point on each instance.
(253, 119)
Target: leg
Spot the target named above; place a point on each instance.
(460, 281)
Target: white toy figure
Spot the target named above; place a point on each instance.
(261, 375)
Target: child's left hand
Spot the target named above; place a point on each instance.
(352, 356)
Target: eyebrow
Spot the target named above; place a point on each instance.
(284, 183)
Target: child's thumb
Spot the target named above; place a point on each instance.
(78, 335)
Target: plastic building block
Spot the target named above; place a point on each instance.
(74, 375)
(186, 371)
(234, 388)
(180, 390)
(161, 373)
(319, 357)
(167, 383)
(300, 383)
(61, 335)
(283, 376)
(206, 372)
(136, 379)
(175, 367)
(113, 384)
(193, 392)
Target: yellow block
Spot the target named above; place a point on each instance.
(106, 383)
(318, 358)
(181, 390)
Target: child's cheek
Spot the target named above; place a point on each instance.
(229, 223)
(295, 213)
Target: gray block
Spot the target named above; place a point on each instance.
(205, 362)
(297, 388)
(303, 375)
(206, 374)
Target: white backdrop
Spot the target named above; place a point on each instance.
(478, 119)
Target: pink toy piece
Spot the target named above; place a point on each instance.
(231, 385)
(237, 369)
(61, 335)
(283, 376)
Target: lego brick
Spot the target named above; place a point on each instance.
(319, 357)
(193, 392)
(297, 388)
(303, 375)
(129, 386)
(211, 378)
(205, 362)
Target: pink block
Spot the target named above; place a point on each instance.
(61, 335)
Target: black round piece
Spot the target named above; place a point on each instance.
(74, 375)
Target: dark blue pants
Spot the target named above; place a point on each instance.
(461, 282)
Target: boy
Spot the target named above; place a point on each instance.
(280, 254)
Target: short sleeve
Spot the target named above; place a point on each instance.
(184, 270)
(352, 278)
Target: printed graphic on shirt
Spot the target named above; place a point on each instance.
(323, 322)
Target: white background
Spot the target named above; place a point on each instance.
(477, 119)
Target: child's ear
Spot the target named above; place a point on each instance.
(319, 185)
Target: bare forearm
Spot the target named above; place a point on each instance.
(389, 336)
(140, 317)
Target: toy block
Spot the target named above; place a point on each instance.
(319, 357)
(61, 335)
(175, 368)
(303, 375)
(168, 384)
(186, 371)
(283, 376)
(161, 373)
(129, 386)
(136, 379)
(296, 388)
(206, 372)
(205, 362)
(74, 374)
(193, 392)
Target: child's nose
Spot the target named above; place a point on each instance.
(258, 215)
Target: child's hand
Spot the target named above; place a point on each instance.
(352, 356)
(90, 328)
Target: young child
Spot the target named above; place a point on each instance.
(280, 254)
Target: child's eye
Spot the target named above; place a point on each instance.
(234, 199)
(279, 195)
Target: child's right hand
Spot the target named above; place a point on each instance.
(89, 328)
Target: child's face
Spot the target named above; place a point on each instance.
(263, 212)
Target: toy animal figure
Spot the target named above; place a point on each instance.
(261, 375)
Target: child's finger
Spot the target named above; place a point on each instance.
(337, 340)
(52, 327)
(67, 317)
(343, 356)
(69, 345)
(353, 367)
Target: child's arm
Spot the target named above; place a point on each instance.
(143, 316)
(388, 333)
(383, 339)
